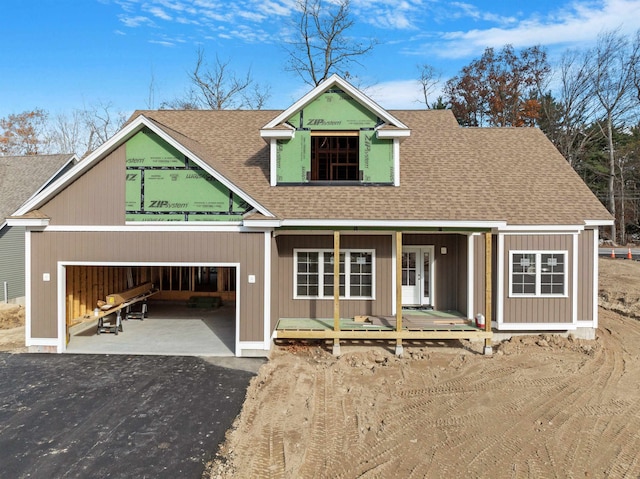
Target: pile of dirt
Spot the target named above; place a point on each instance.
(11, 316)
(541, 404)
(620, 286)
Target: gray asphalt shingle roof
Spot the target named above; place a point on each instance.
(447, 173)
(23, 176)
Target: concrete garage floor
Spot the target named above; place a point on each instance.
(171, 329)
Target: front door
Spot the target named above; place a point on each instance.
(417, 275)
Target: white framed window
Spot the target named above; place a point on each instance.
(538, 273)
(313, 274)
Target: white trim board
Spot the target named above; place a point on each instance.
(536, 326)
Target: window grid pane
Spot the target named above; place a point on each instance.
(307, 274)
(523, 278)
(552, 273)
(361, 276)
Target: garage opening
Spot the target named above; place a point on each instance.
(186, 309)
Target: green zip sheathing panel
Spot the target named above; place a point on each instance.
(336, 111)
(376, 158)
(293, 159)
(163, 185)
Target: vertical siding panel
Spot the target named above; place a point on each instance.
(538, 310)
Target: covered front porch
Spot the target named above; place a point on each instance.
(406, 323)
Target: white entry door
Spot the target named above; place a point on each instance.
(417, 275)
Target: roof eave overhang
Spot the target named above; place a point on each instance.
(278, 134)
(274, 223)
(29, 222)
(392, 134)
(608, 222)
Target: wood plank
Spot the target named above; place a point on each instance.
(391, 335)
(336, 280)
(488, 288)
(75, 288)
(398, 280)
(126, 295)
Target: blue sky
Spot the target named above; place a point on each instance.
(61, 55)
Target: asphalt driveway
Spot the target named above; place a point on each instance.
(76, 416)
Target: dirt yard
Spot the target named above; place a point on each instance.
(541, 406)
(11, 327)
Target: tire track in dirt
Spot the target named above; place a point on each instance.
(560, 410)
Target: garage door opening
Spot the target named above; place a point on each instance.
(192, 309)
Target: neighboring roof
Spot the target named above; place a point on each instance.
(447, 173)
(22, 177)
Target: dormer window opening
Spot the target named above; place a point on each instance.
(335, 156)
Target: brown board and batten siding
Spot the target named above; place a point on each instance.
(543, 309)
(586, 282)
(48, 248)
(95, 198)
(288, 307)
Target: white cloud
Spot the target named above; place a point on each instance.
(575, 24)
(164, 43)
(399, 94)
(135, 21)
(159, 13)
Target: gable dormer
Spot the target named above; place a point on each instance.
(335, 135)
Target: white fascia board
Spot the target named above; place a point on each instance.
(541, 229)
(262, 223)
(347, 88)
(29, 222)
(161, 226)
(387, 134)
(278, 134)
(390, 223)
(598, 222)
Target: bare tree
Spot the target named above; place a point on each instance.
(67, 133)
(429, 79)
(101, 122)
(83, 131)
(220, 88)
(566, 118)
(321, 45)
(612, 77)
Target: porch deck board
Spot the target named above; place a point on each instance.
(325, 324)
(413, 321)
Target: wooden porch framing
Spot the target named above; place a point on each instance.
(342, 330)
